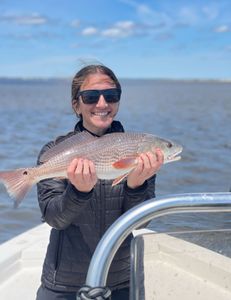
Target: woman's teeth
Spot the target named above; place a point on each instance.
(101, 114)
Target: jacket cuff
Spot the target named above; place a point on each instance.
(76, 195)
(140, 189)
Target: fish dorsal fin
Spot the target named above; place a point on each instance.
(67, 144)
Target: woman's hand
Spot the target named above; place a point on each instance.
(81, 173)
(148, 165)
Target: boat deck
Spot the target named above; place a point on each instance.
(21, 260)
(172, 268)
(169, 268)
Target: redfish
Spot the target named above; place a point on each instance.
(114, 156)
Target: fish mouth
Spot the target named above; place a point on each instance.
(174, 157)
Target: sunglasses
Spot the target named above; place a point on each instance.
(92, 96)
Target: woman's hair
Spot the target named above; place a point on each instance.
(80, 77)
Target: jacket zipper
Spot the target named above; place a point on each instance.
(102, 207)
(58, 255)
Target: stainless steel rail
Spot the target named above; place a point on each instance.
(137, 216)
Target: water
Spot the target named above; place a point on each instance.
(194, 114)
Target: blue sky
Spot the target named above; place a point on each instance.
(137, 39)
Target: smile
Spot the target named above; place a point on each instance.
(101, 114)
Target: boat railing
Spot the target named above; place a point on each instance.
(135, 218)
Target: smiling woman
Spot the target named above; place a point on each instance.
(81, 207)
(94, 109)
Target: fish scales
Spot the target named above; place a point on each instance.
(114, 156)
(103, 152)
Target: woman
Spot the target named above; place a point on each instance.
(81, 208)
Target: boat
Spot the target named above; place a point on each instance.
(21, 260)
(163, 266)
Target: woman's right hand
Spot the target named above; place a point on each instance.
(81, 173)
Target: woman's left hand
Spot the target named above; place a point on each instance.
(148, 165)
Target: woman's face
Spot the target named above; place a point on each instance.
(97, 117)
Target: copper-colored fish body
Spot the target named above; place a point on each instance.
(114, 156)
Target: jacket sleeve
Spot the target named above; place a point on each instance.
(60, 202)
(133, 197)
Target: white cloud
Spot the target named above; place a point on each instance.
(169, 16)
(126, 25)
(32, 19)
(143, 9)
(113, 33)
(120, 30)
(158, 23)
(33, 36)
(188, 15)
(75, 23)
(222, 28)
(211, 12)
(89, 31)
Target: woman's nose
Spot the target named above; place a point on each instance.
(102, 102)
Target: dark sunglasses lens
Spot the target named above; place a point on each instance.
(111, 96)
(90, 97)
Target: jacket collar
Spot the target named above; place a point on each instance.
(116, 126)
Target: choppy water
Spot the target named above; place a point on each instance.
(195, 114)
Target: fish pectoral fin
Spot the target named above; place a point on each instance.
(119, 179)
(125, 163)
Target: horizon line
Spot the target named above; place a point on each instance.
(9, 78)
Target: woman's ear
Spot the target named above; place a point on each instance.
(75, 106)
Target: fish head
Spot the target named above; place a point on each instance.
(169, 148)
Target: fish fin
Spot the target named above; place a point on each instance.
(119, 179)
(17, 182)
(125, 163)
(66, 145)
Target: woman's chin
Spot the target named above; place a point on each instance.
(103, 123)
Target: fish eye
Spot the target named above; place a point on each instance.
(169, 145)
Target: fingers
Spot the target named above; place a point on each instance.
(71, 169)
(81, 173)
(151, 163)
(159, 156)
(81, 166)
(148, 165)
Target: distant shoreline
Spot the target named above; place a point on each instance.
(4, 80)
(7, 80)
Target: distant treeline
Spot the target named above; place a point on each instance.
(4, 80)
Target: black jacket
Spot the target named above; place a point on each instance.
(79, 220)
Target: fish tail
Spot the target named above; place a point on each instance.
(17, 182)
